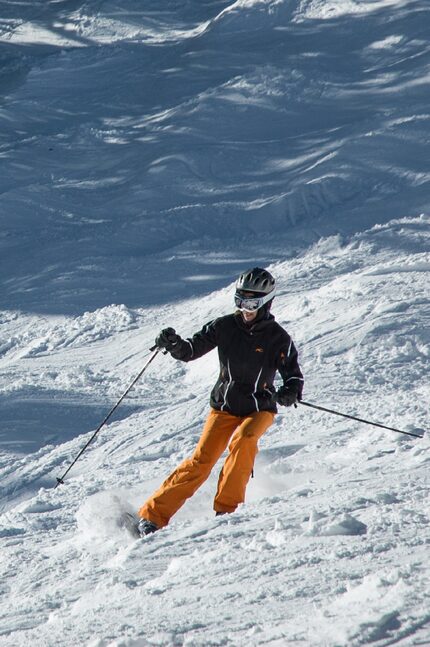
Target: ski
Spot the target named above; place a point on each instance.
(130, 522)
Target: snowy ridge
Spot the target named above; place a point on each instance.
(149, 152)
(175, 138)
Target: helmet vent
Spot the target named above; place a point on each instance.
(256, 280)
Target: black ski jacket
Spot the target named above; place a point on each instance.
(249, 357)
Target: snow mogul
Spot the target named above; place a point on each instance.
(252, 347)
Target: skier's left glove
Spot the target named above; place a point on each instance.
(167, 339)
(287, 396)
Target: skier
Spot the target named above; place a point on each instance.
(251, 348)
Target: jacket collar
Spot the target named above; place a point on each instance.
(260, 323)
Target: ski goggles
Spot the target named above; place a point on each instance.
(251, 304)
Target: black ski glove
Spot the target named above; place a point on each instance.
(167, 339)
(286, 396)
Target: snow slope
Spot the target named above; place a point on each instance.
(149, 153)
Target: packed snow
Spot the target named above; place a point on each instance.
(149, 153)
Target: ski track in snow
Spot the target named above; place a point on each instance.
(291, 133)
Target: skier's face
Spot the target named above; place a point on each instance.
(248, 316)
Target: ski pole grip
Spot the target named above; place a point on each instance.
(155, 347)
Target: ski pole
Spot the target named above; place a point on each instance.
(60, 479)
(367, 422)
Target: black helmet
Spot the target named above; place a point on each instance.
(261, 284)
(256, 280)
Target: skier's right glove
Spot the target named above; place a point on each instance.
(286, 397)
(167, 339)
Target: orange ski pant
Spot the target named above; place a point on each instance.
(220, 428)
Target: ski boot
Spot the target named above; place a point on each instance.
(146, 527)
